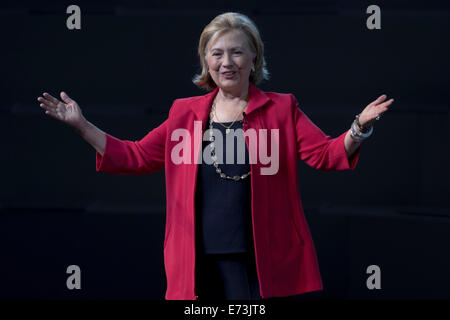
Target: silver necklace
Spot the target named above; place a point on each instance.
(227, 131)
(214, 157)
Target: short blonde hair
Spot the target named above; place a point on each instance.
(219, 26)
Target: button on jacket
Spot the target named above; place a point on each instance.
(286, 259)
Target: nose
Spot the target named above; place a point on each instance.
(227, 61)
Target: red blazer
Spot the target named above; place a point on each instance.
(286, 260)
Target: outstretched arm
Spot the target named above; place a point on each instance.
(134, 157)
(69, 112)
(93, 135)
(113, 155)
(366, 119)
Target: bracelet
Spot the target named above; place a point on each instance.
(356, 133)
(361, 128)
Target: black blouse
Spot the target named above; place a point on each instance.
(223, 206)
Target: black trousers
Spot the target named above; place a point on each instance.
(226, 276)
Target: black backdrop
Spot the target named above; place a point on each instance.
(125, 67)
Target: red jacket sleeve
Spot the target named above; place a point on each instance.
(134, 157)
(317, 149)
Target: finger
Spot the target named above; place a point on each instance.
(51, 98)
(51, 113)
(44, 100)
(386, 104)
(65, 97)
(44, 106)
(382, 108)
(46, 103)
(379, 99)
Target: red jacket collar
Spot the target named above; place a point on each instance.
(257, 99)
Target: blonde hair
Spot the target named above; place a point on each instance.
(219, 26)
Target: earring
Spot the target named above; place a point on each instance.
(253, 68)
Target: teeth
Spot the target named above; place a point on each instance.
(229, 73)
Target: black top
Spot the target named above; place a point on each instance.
(223, 206)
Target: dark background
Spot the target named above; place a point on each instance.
(125, 67)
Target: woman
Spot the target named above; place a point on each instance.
(233, 230)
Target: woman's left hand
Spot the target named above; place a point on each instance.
(373, 110)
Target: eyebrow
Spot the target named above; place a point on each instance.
(230, 48)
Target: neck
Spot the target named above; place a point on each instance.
(232, 97)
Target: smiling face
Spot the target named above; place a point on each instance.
(230, 52)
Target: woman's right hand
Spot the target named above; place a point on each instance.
(66, 111)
